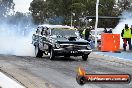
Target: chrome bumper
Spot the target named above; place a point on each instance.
(79, 51)
(84, 50)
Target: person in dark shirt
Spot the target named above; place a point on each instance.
(87, 34)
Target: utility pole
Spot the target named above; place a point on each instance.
(96, 24)
(71, 20)
(71, 16)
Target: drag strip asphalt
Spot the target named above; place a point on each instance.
(35, 72)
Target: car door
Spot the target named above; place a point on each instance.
(45, 41)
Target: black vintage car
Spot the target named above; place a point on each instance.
(58, 40)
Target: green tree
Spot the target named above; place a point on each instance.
(78, 9)
(5, 7)
(39, 11)
(42, 10)
(124, 4)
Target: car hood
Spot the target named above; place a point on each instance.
(71, 41)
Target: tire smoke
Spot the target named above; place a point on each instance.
(14, 40)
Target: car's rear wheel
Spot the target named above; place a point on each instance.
(52, 55)
(85, 57)
(38, 52)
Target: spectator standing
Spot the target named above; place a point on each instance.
(87, 34)
(131, 30)
(126, 36)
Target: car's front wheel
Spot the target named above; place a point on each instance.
(38, 52)
(85, 57)
(52, 55)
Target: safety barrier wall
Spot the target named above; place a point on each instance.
(110, 42)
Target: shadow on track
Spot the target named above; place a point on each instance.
(62, 58)
(57, 58)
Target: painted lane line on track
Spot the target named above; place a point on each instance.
(6, 82)
(117, 57)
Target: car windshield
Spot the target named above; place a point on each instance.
(65, 32)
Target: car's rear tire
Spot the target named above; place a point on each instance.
(85, 57)
(38, 52)
(52, 55)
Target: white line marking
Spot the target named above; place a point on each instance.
(6, 82)
(112, 56)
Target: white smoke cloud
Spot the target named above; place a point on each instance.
(16, 31)
(11, 42)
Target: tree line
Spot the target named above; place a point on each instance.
(51, 10)
(61, 11)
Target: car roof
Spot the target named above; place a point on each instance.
(55, 26)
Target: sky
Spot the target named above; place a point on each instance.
(22, 5)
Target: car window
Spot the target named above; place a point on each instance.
(64, 32)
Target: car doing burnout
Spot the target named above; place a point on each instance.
(60, 41)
